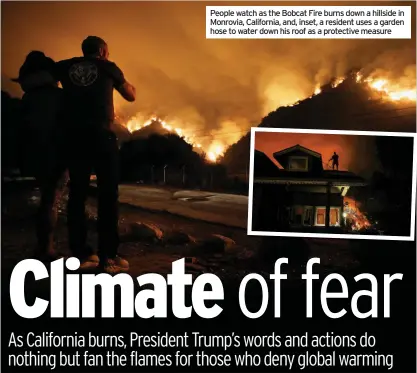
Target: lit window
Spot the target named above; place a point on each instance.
(320, 216)
(334, 216)
(298, 163)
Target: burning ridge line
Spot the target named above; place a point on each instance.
(216, 148)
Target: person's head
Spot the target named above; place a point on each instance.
(93, 46)
(34, 62)
(334, 153)
(34, 56)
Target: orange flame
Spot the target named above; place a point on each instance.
(338, 81)
(390, 90)
(354, 214)
(214, 150)
(395, 94)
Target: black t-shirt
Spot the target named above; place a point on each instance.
(88, 90)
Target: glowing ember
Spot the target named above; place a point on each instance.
(317, 91)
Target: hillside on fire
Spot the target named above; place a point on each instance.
(385, 162)
(349, 105)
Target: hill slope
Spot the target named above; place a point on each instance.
(349, 106)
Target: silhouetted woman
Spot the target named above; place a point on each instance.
(44, 145)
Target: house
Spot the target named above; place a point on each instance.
(300, 196)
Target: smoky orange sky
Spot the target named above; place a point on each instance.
(216, 88)
(346, 146)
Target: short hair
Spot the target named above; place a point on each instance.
(92, 44)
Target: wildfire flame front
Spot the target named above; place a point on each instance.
(214, 148)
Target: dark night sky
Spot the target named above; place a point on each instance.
(212, 86)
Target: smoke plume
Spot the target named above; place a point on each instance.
(216, 89)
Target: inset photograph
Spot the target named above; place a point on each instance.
(335, 184)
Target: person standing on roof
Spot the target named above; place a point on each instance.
(335, 161)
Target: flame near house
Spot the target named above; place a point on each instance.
(353, 214)
(214, 148)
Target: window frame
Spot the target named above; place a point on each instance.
(291, 157)
(331, 208)
(307, 207)
(293, 215)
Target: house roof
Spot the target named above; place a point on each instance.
(266, 172)
(264, 166)
(297, 147)
(336, 178)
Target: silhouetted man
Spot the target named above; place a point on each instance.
(335, 161)
(88, 84)
(43, 149)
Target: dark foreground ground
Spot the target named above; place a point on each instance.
(231, 258)
(234, 255)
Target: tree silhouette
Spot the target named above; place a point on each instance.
(144, 156)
